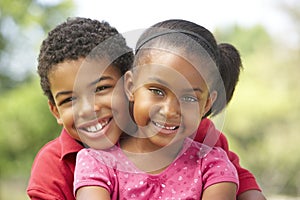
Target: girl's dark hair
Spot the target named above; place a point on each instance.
(225, 56)
(79, 38)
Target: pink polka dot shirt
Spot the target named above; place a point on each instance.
(195, 168)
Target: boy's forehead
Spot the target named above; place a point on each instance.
(81, 67)
(91, 69)
(81, 72)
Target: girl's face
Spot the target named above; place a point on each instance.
(170, 97)
(89, 105)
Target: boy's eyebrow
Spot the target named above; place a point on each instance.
(167, 85)
(102, 78)
(63, 93)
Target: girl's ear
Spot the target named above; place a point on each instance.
(128, 85)
(210, 101)
(55, 112)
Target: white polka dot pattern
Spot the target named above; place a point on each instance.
(185, 178)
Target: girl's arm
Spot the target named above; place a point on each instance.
(220, 191)
(92, 193)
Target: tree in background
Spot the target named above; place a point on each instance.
(262, 120)
(25, 121)
(22, 25)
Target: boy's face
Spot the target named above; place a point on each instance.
(89, 101)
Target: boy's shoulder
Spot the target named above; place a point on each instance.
(59, 147)
(53, 168)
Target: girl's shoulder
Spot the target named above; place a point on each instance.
(202, 150)
(107, 156)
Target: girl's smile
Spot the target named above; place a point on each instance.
(170, 97)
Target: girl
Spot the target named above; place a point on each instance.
(174, 84)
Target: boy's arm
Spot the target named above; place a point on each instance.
(251, 195)
(246, 178)
(249, 189)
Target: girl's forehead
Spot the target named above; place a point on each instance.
(169, 66)
(178, 60)
(178, 63)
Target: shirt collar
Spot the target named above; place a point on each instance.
(68, 144)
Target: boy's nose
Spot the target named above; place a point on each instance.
(86, 107)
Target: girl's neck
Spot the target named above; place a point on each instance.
(147, 157)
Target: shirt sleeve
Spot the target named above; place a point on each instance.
(51, 177)
(211, 136)
(217, 168)
(246, 178)
(91, 170)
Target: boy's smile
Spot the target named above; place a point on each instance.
(89, 103)
(94, 128)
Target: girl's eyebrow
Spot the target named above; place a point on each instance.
(193, 90)
(167, 85)
(159, 81)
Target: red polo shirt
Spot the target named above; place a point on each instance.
(53, 169)
(52, 173)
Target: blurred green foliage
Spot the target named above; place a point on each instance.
(25, 125)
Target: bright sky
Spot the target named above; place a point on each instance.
(128, 15)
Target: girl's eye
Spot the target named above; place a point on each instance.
(157, 91)
(189, 99)
(67, 100)
(103, 87)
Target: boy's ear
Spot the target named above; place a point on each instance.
(210, 101)
(128, 85)
(55, 112)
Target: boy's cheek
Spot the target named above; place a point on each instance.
(55, 112)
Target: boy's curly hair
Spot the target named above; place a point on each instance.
(76, 38)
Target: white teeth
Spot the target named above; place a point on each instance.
(97, 127)
(165, 127)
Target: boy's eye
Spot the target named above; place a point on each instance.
(189, 99)
(67, 100)
(157, 91)
(102, 87)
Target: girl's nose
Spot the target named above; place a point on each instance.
(170, 108)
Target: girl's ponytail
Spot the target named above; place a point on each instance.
(230, 65)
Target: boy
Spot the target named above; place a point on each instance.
(63, 59)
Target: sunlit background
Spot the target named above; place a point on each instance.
(261, 122)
